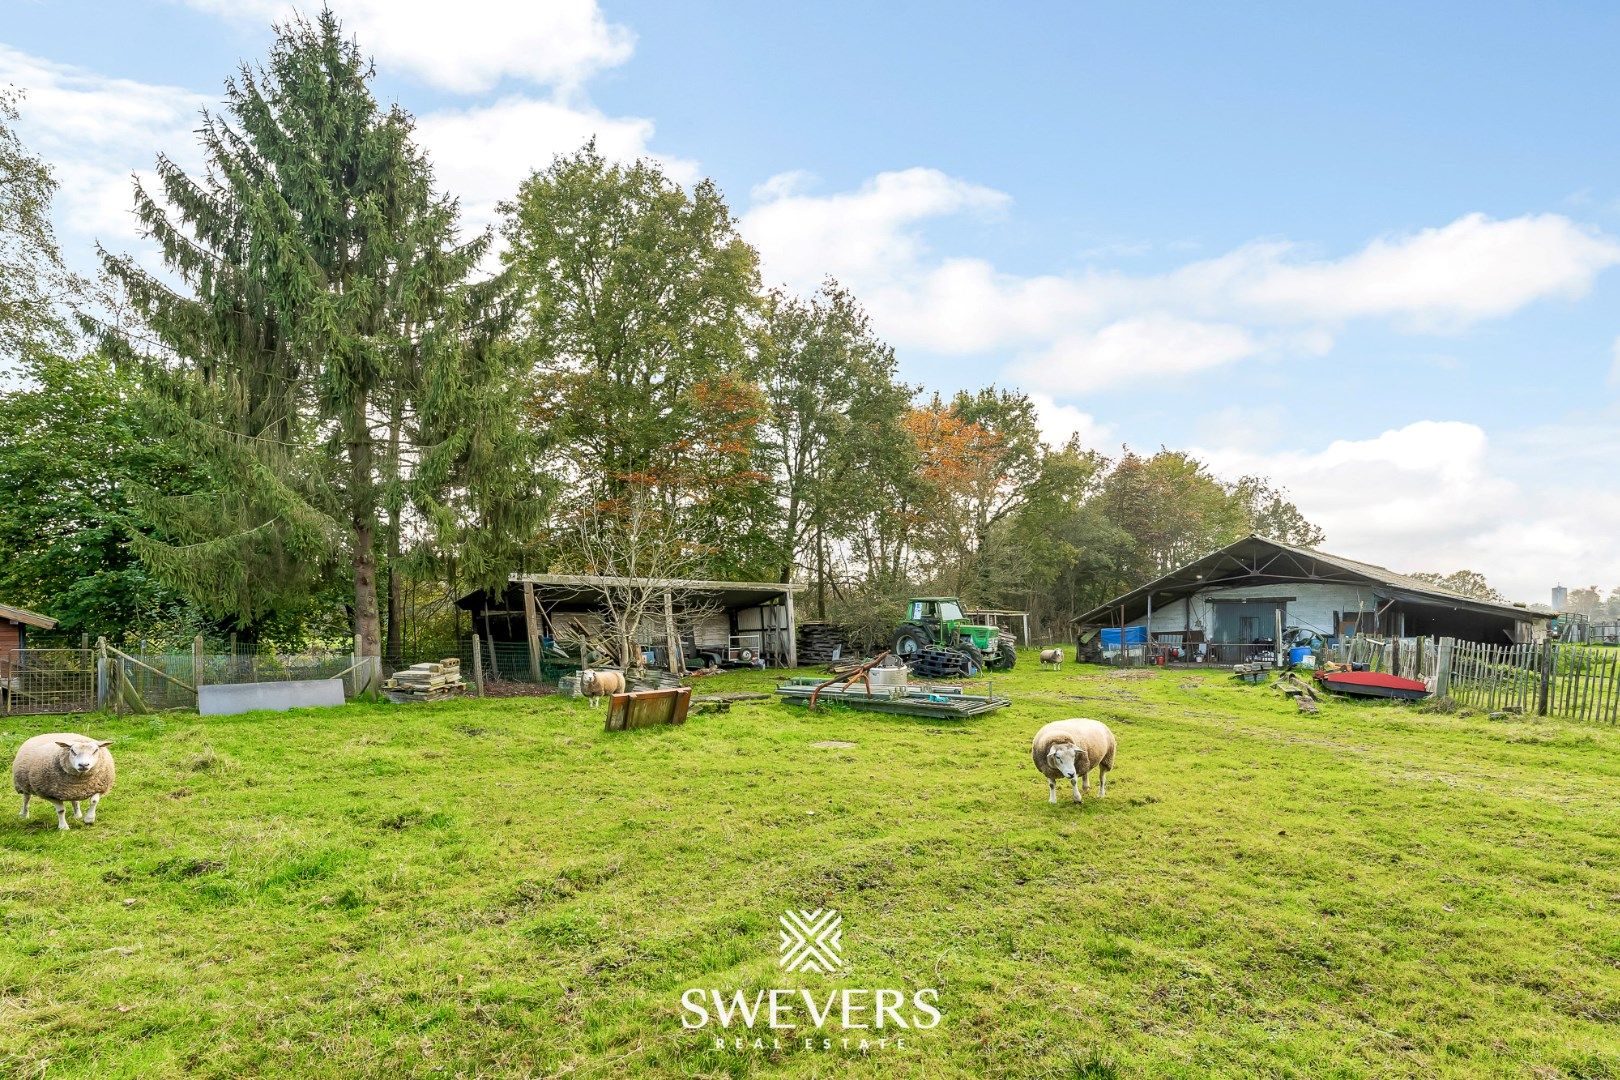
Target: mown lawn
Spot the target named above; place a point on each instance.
(499, 888)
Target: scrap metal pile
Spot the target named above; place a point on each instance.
(875, 687)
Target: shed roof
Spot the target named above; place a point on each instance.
(28, 618)
(585, 590)
(1255, 560)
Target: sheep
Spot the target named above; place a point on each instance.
(62, 768)
(1072, 748)
(597, 683)
(1051, 658)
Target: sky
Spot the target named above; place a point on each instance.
(1369, 250)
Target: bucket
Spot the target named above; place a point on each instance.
(1295, 655)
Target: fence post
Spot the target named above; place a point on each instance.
(1442, 669)
(478, 667)
(101, 674)
(1548, 658)
(197, 663)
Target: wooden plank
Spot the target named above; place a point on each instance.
(478, 667)
(648, 708)
(531, 625)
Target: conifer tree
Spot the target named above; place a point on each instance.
(327, 358)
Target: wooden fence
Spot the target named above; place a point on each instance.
(1552, 678)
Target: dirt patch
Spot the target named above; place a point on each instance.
(503, 688)
(833, 744)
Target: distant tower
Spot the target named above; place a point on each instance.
(1560, 597)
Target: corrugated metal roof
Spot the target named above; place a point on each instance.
(1205, 572)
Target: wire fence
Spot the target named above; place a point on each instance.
(61, 681)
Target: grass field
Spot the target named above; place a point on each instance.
(499, 888)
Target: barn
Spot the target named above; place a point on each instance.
(1234, 603)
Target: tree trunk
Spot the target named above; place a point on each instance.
(396, 594)
(821, 574)
(367, 624)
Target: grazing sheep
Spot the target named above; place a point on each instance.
(597, 683)
(61, 769)
(1071, 749)
(1051, 658)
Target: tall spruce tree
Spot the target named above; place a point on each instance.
(328, 361)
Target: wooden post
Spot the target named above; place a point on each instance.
(478, 667)
(531, 624)
(103, 687)
(1442, 669)
(494, 662)
(1279, 656)
(791, 630)
(1548, 658)
(675, 658)
(197, 660)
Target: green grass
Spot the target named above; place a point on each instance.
(499, 888)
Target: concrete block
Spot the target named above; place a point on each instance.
(228, 700)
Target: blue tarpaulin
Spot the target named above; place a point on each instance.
(1134, 635)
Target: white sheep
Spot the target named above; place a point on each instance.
(1051, 658)
(1071, 749)
(62, 768)
(594, 684)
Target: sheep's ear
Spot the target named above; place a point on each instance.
(64, 745)
(104, 745)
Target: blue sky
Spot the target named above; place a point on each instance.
(1371, 250)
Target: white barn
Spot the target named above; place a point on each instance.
(1245, 593)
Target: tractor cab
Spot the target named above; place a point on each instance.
(937, 634)
(935, 609)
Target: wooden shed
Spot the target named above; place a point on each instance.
(14, 624)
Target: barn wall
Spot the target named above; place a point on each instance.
(1312, 606)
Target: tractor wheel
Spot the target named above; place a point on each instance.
(975, 658)
(935, 662)
(909, 641)
(1006, 656)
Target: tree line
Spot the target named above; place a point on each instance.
(326, 409)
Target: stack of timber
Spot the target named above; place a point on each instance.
(426, 682)
(821, 642)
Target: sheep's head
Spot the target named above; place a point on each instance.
(79, 756)
(587, 681)
(1067, 759)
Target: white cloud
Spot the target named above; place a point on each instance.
(1059, 423)
(97, 132)
(1473, 269)
(864, 234)
(1437, 495)
(1124, 350)
(471, 46)
(1070, 333)
(481, 154)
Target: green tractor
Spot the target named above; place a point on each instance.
(937, 641)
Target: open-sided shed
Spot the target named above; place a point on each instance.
(736, 616)
(1251, 591)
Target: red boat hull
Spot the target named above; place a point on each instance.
(1372, 684)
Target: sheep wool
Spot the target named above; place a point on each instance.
(1070, 749)
(63, 768)
(597, 683)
